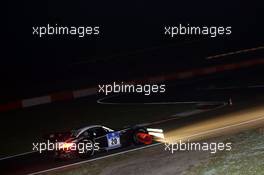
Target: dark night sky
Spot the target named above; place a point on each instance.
(125, 27)
(129, 24)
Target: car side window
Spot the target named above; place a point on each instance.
(97, 132)
(86, 133)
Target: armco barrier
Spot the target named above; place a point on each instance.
(70, 95)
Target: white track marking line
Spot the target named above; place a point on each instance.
(98, 158)
(100, 101)
(231, 87)
(173, 117)
(17, 155)
(177, 117)
(180, 117)
(256, 86)
(235, 52)
(158, 103)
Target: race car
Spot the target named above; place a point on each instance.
(87, 141)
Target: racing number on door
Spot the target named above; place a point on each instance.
(113, 140)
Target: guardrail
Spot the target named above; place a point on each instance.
(71, 95)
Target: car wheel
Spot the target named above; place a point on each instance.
(136, 141)
(81, 148)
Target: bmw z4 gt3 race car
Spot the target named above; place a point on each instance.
(87, 141)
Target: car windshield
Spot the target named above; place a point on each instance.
(75, 132)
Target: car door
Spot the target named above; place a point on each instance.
(108, 140)
(99, 135)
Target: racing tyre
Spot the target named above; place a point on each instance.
(136, 139)
(82, 151)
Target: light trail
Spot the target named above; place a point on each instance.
(220, 125)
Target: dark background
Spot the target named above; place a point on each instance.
(131, 42)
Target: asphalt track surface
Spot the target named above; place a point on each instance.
(35, 163)
(175, 128)
(32, 163)
(220, 120)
